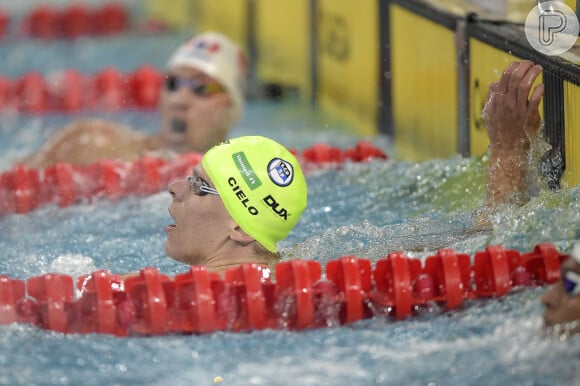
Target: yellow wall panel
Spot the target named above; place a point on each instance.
(571, 4)
(283, 43)
(424, 86)
(348, 60)
(572, 134)
(229, 17)
(180, 14)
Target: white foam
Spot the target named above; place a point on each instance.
(73, 265)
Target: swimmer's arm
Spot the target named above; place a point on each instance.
(506, 181)
(513, 119)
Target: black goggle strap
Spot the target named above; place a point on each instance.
(200, 186)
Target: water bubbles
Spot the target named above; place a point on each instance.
(73, 265)
(562, 331)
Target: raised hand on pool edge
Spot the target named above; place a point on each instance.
(512, 117)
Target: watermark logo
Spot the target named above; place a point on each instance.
(552, 27)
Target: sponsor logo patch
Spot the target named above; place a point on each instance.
(276, 207)
(281, 172)
(241, 196)
(246, 170)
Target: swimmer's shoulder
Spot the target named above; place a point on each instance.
(163, 153)
(95, 126)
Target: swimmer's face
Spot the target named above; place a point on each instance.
(196, 112)
(201, 220)
(563, 307)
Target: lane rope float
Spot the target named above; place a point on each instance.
(300, 297)
(47, 22)
(71, 90)
(24, 189)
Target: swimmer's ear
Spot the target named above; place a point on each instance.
(237, 234)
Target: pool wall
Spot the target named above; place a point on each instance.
(415, 70)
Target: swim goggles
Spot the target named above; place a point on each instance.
(571, 283)
(196, 86)
(200, 187)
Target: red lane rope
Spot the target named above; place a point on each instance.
(4, 23)
(48, 22)
(71, 91)
(198, 301)
(23, 189)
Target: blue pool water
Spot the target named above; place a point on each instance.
(367, 210)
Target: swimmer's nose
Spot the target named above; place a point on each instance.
(177, 109)
(179, 98)
(177, 188)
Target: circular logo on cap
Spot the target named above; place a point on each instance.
(281, 172)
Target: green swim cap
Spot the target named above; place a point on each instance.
(261, 185)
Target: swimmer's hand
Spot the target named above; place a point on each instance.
(512, 118)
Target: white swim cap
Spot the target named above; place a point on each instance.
(218, 57)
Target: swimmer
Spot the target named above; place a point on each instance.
(247, 194)
(201, 100)
(513, 120)
(562, 300)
